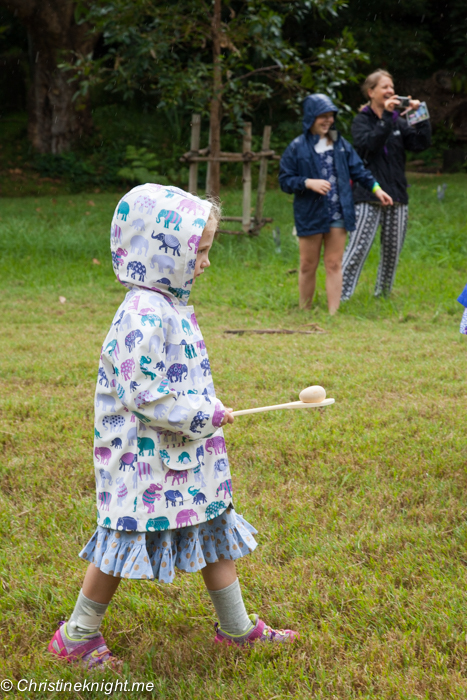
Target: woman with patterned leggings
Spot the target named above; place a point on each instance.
(381, 137)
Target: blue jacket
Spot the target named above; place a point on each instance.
(300, 161)
(462, 299)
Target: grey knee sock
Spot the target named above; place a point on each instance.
(86, 617)
(230, 609)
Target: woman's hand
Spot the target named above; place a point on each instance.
(384, 198)
(391, 103)
(414, 104)
(228, 417)
(319, 186)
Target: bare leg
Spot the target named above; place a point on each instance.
(334, 245)
(310, 247)
(98, 586)
(219, 575)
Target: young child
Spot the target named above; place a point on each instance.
(164, 492)
(317, 168)
(462, 299)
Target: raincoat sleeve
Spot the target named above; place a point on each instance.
(141, 381)
(370, 138)
(290, 179)
(416, 138)
(358, 172)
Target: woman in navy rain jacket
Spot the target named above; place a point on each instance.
(317, 168)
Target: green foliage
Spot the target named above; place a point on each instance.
(443, 138)
(164, 50)
(80, 170)
(142, 167)
(458, 43)
(336, 65)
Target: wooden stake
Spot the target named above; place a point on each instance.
(246, 209)
(216, 99)
(263, 174)
(194, 148)
(208, 169)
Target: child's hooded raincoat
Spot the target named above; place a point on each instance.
(159, 453)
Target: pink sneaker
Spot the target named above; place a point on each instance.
(92, 651)
(260, 632)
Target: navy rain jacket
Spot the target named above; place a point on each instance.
(300, 161)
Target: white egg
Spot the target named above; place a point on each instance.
(312, 394)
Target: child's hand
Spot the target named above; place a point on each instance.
(319, 186)
(228, 417)
(384, 198)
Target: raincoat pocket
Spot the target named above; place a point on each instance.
(185, 457)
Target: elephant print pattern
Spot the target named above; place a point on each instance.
(159, 454)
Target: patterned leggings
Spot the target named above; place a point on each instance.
(393, 222)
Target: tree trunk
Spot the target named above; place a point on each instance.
(215, 117)
(55, 121)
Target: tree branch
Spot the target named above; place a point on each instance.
(258, 70)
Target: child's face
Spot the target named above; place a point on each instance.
(322, 123)
(202, 256)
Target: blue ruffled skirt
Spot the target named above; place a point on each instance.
(154, 555)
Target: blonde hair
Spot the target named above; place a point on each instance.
(216, 207)
(372, 80)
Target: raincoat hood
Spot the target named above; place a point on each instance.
(154, 238)
(313, 106)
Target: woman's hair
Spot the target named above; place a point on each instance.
(372, 80)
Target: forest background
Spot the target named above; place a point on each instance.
(99, 95)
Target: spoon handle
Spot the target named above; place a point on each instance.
(279, 406)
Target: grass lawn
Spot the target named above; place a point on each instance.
(361, 507)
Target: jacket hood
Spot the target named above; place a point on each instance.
(154, 239)
(313, 106)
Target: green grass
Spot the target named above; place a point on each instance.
(361, 507)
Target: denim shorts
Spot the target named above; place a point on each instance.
(337, 224)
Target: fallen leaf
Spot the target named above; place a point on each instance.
(87, 213)
(91, 203)
(38, 209)
(54, 201)
(96, 261)
(62, 300)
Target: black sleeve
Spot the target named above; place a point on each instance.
(416, 138)
(357, 170)
(368, 137)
